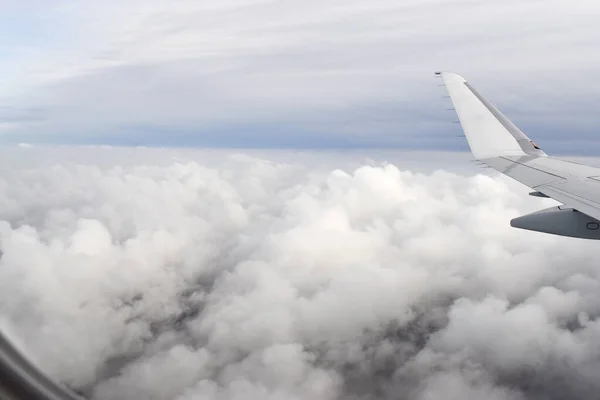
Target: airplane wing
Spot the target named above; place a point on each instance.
(497, 142)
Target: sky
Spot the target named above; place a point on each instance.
(268, 200)
(180, 274)
(293, 74)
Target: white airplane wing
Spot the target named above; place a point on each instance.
(497, 142)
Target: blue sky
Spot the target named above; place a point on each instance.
(294, 74)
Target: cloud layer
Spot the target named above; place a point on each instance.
(256, 73)
(230, 276)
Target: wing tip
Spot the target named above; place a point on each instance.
(450, 75)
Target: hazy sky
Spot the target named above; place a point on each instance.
(310, 73)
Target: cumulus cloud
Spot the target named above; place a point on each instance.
(224, 276)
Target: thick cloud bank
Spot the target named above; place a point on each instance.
(242, 278)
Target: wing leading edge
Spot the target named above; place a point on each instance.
(497, 142)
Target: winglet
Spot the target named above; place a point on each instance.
(489, 133)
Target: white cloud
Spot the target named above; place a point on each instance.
(212, 275)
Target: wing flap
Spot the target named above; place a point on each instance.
(521, 172)
(575, 191)
(580, 195)
(573, 201)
